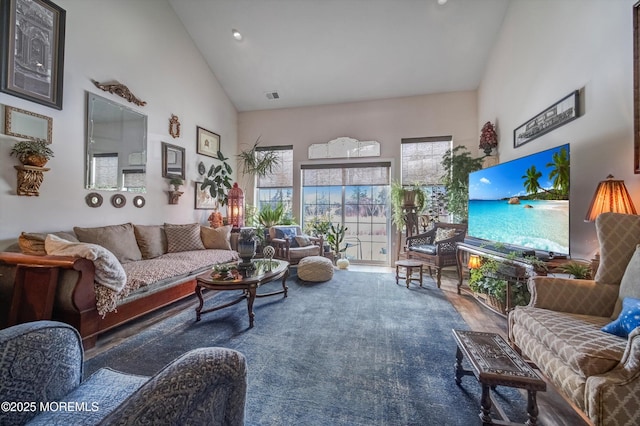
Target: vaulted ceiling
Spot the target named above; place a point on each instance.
(314, 52)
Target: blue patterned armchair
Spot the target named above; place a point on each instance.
(41, 383)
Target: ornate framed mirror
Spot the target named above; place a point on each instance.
(173, 162)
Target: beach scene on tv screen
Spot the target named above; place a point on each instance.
(523, 202)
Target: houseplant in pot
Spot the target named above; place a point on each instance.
(405, 197)
(32, 153)
(457, 164)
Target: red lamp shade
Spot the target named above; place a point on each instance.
(611, 196)
(235, 206)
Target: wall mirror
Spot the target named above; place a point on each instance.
(172, 161)
(116, 146)
(28, 125)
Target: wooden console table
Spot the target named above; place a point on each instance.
(512, 269)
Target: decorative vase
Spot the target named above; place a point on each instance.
(268, 252)
(246, 251)
(342, 263)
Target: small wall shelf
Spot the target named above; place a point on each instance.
(174, 196)
(29, 179)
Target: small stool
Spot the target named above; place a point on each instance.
(409, 265)
(315, 269)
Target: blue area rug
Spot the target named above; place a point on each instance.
(357, 350)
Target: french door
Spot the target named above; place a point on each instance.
(356, 196)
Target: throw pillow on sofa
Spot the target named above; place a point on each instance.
(118, 239)
(628, 320)
(290, 233)
(183, 237)
(217, 238)
(33, 242)
(444, 234)
(151, 239)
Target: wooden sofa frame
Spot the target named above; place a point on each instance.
(84, 314)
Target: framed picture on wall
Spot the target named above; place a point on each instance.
(204, 200)
(208, 143)
(560, 113)
(32, 62)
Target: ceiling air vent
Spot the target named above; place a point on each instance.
(272, 95)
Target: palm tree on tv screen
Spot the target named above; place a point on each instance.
(560, 173)
(531, 184)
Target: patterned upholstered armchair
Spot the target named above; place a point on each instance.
(292, 245)
(560, 329)
(41, 368)
(437, 247)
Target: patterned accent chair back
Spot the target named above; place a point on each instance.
(618, 236)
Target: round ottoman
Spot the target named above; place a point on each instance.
(315, 268)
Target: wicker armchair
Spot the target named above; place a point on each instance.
(437, 247)
(287, 248)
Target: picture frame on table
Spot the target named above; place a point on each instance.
(204, 200)
(560, 113)
(208, 143)
(33, 68)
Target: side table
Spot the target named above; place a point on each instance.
(409, 265)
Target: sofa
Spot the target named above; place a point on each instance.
(583, 334)
(106, 276)
(41, 365)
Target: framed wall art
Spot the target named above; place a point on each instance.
(208, 143)
(204, 200)
(558, 114)
(32, 62)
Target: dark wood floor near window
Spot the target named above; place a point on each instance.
(554, 409)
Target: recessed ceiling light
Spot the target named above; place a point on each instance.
(441, 2)
(236, 34)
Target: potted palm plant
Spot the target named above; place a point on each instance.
(32, 153)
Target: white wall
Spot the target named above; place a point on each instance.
(387, 121)
(141, 44)
(545, 51)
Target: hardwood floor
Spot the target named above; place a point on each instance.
(554, 409)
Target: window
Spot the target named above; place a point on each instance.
(105, 171)
(422, 166)
(277, 187)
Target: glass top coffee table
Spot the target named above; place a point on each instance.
(246, 280)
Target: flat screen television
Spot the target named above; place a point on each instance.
(524, 202)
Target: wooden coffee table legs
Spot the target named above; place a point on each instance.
(495, 363)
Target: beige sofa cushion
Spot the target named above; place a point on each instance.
(216, 238)
(618, 235)
(118, 239)
(151, 239)
(183, 237)
(575, 339)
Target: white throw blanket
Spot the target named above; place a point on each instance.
(108, 270)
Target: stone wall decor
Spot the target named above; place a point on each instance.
(120, 90)
(93, 199)
(118, 200)
(139, 201)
